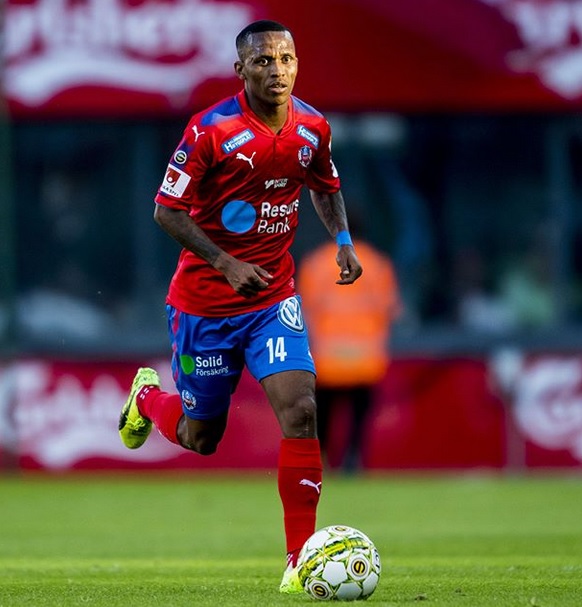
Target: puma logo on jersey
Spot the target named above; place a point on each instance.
(241, 156)
(308, 483)
(196, 133)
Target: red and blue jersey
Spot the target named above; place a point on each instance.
(241, 183)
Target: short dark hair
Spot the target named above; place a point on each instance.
(257, 27)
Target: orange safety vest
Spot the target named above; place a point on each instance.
(349, 325)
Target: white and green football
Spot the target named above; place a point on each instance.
(339, 563)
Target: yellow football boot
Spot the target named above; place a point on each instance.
(134, 428)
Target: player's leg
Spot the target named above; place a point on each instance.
(202, 435)
(292, 396)
(278, 356)
(205, 372)
(149, 406)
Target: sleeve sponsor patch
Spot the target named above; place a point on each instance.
(304, 132)
(175, 182)
(180, 157)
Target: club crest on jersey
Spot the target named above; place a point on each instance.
(305, 155)
(189, 400)
(307, 134)
(237, 141)
(289, 314)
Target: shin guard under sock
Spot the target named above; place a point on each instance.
(163, 409)
(299, 481)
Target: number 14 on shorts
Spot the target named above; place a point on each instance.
(276, 349)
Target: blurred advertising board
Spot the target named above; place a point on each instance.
(62, 415)
(166, 57)
(508, 412)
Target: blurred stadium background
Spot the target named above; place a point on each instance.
(458, 136)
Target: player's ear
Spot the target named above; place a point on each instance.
(238, 68)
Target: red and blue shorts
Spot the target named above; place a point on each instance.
(209, 354)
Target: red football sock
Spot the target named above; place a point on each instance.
(300, 474)
(163, 409)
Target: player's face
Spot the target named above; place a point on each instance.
(268, 68)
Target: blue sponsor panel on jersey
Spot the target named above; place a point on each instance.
(237, 141)
(304, 132)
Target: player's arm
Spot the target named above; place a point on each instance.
(331, 210)
(245, 278)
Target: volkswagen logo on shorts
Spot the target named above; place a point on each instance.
(290, 314)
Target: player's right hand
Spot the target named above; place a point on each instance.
(247, 279)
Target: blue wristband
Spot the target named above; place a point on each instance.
(344, 238)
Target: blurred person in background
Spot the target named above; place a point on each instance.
(349, 336)
(518, 296)
(232, 299)
(527, 283)
(477, 304)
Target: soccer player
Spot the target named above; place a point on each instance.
(230, 197)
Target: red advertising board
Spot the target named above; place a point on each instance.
(508, 412)
(162, 57)
(61, 415)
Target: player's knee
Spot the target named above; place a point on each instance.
(299, 417)
(200, 445)
(199, 442)
(306, 406)
(203, 447)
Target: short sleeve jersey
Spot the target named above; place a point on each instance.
(241, 183)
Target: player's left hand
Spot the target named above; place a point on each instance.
(349, 264)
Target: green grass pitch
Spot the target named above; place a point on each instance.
(194, 539)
